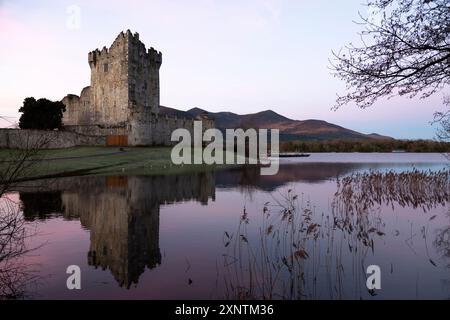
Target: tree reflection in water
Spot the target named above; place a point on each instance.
(300, 253)
(442, 242)
(16, 276)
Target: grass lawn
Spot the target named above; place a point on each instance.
(102, 161)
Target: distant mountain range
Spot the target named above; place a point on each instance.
(306, 130)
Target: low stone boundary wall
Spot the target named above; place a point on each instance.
(54, 139)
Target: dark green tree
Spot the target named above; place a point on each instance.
(41, 114)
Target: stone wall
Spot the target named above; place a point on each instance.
(98, 130)
(148, 128)
(143, 74)
(109, 82)
(22, 139)
(145, 128)
(78, 108)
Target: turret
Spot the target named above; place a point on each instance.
(133, 69)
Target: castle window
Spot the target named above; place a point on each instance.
(105, 67)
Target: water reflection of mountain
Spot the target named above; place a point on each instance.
(302, 172)
(122, 214)
(299, 172)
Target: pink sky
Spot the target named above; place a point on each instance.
(239, 56)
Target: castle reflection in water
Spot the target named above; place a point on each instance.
(122, 214)
(129, 229)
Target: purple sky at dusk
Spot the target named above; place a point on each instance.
(239, 56)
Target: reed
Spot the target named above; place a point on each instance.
(302, 253)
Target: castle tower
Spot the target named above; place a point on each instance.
(121, 106)
(123, 77)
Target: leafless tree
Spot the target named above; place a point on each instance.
(19, 163)
(15, 274)
(406, 53)
(443, 120)
(442, 244)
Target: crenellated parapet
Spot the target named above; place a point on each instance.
(118, 48)
(138, 51)
(155, 57)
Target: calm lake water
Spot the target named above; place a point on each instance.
(225, 234)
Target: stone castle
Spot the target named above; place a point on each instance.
(122, 102)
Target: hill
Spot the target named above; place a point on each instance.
(307, 130)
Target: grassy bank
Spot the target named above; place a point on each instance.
(100, 161)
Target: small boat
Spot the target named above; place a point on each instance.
(293, 155)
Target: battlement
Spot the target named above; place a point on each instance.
(140, 52)
(131, 43)
(118, 47)
(154, 56)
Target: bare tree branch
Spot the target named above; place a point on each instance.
(407, 53)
